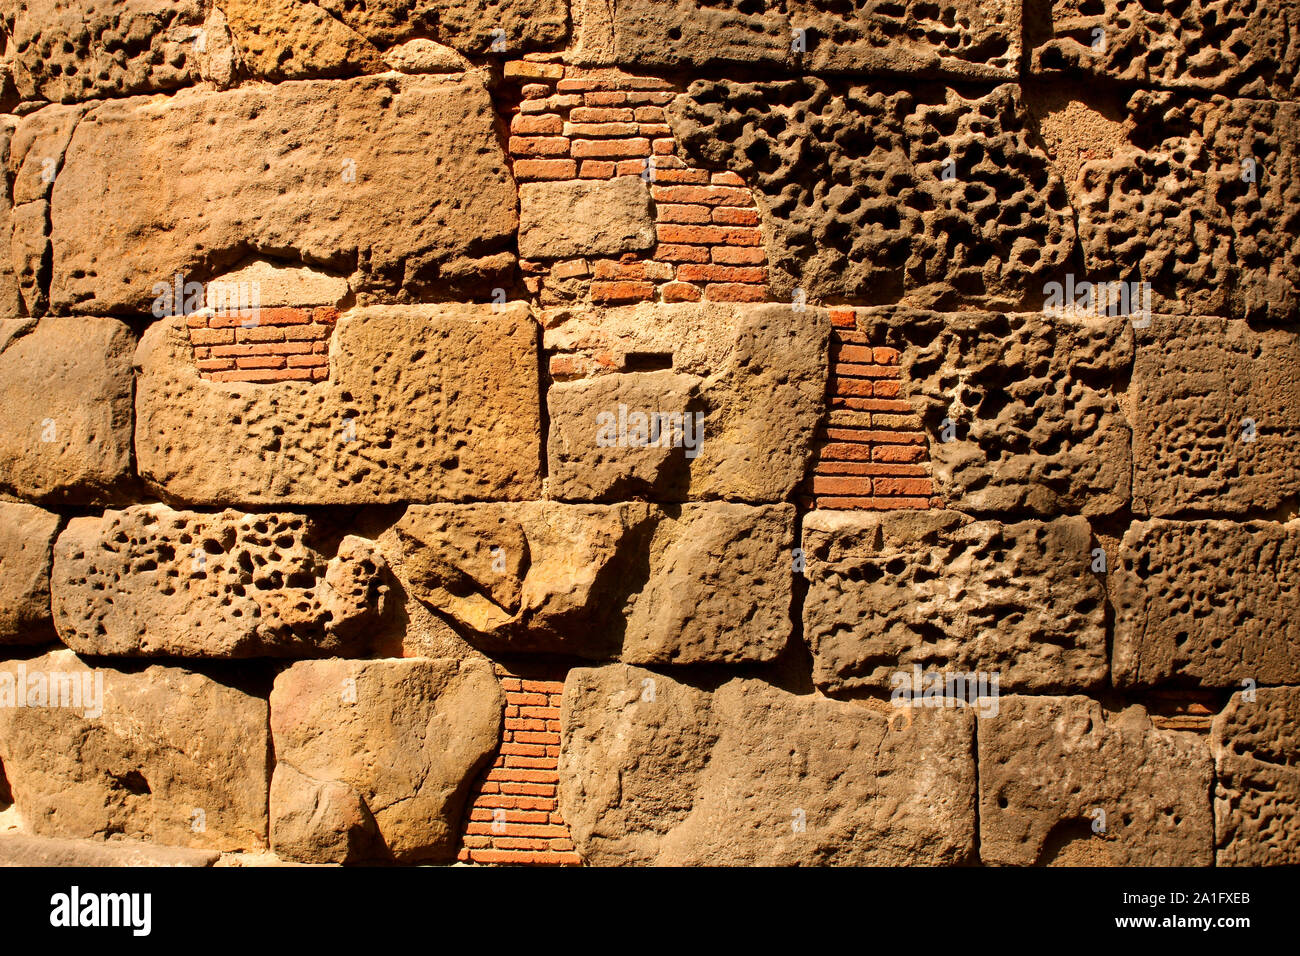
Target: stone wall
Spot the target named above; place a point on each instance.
(553, 432)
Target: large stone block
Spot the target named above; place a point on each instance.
(26, 553)
(968, 38)
(929, 197)
(1216, 45)
(65, 385)
(1257, 778)
(653, 771)
(890, 591)
(65, 50)
(1024, 412)
(1217, 602)
(150, 581)
(375, 758)
(1047, 765)
(190, 183)
(1215, 407)
(424, 403)
(470, 26)
(159, 754)
(598, 217)
(1200, 202)
(19, 849)
(697, 583)
(291, 40)
(751, 378)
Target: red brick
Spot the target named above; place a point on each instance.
(525, 124)
(904, 486)
(873, 504)
(665, 175)
(265, 376)
(710, 235)
(600, 130)
(631, 167)
(717, 273)
(680, 292)
(308, 361)
(735, 292)
(899, 453)
(584, 114)
(739, 255)
(610, 148)
(708, 195)
(726, 178)
(604, 98)
(539, 145)
(262, 333)
(883, 388)
(596, 169)
(841, 486)
(874, 469)
(658, 99)
(664, 147)
(885, 356)
(621, 291)
(534, 91)
(649, 114)
(212, 336)
(528, 788)
(215, 365)
(545, 169)
(609, 269)
(679, 212)
(543, 686)
(735, 216)
(307, 333)
(523, 750)
(655, 130)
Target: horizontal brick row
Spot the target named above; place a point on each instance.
(283, 344)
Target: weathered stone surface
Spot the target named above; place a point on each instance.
(150, 581)
(470, 27)
(1213, 45)
(424, 403)
(695, 583)
(974, 38)
(66, 50)
(653, 771)
(1257, 783)
(892, 590)
(756, 373)
(599, 217)
(532, 576)
(65, 385)
(19, 849)
(26, 552)
(1023, 411)
(1195, 384)
(424, 56)
(719, 588)
(1217, 602)
(1201, 203)
(393, 741)
(197, 180)
(277, 284)
(170, 749)
(1046, 764)
(924, 197)
(290, 40)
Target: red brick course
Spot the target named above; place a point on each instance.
(873, 453)
(601, 123)
(282, 344)
(514, 815)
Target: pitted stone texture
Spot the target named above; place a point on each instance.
(292, 40)
(1174, 208)
(1217, 602)
(757, 373)
(470, 26)
(66, 50)
(1218, 45)
(393, 743)
(65, 385)
(924, 197)
(893, 590)
(599, 217)
(169, 744)
(197, 180)
(1029, 407)
(653, 771)
(1195, 383)
(27, 536)
(967, 38)
(149, 581)
(1257, 779)
(1046, 764)
(424, 403)
(19, 849)
(533, 576)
